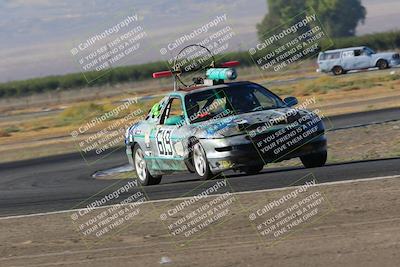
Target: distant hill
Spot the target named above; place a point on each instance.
(37, 35)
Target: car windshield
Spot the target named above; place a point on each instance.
(222, 102)
(369, 50)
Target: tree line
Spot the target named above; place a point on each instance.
(377, 41)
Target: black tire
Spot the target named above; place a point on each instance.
(252, 170)
(314, 160)
(382, 64)
(338, 70)
(144, 178)
(200, 162)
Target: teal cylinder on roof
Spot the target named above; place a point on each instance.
(221, 74)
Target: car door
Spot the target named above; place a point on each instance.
(166, 138)
(348, 60)
(362, 60)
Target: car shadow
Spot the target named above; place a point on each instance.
(232, 175)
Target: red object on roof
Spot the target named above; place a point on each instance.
(230, 64)
(162, 74)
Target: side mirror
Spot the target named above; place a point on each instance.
(174, 120)
(291, 101)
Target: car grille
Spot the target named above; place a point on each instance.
(269, 153)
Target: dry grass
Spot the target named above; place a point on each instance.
(361, 229)
(49, 134)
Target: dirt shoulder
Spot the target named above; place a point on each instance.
(40, 135)
(359, 226)
(361, 143)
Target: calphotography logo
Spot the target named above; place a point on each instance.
(302, 37)
(195, 216)
(110, 46)
(105, 214)
(105, 133)
(290, 211)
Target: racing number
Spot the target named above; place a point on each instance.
(164, 142)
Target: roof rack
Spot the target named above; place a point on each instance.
(214, 74)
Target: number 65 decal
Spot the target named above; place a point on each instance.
(164, 144)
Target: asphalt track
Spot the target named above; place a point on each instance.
(62, 182)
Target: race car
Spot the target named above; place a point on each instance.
(215, 126)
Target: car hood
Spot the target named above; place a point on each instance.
(384, 55)
(246, 122)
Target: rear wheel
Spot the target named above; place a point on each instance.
(143, 174)
(338, 70)
(382, 64)
(200, 162)
(251, 170)
(314, 160)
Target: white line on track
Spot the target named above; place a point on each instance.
(184, 198)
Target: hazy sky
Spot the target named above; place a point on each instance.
(37, 35)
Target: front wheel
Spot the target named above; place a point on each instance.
(143, 174)
(314, 160)
(200, 162)
(382, 64)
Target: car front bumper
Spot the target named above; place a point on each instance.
(243, 152)
(394, 63)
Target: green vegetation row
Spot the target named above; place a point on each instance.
(94, 78)
(379, 41)
(78, 80)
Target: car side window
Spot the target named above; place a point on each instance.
(336, 55)
(366, 52)
(174, 108)
(357, 53)
(347, 54)
(264, 100)
(331, 56)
